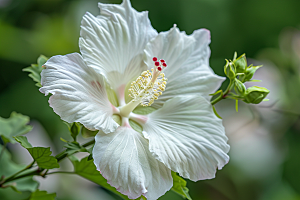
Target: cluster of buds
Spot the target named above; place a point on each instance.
(149, 85)
(239, 72)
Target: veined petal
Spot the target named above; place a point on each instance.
(187, 137)
(188, 70)
(113, 42)
(78, 92)
(123, 158)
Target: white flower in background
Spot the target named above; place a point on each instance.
(136, 150)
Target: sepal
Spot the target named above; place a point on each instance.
(179, 186)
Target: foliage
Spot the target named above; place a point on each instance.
(42, 195)
(8, 168)
(41, 155)
(15, 125)
(36, 69)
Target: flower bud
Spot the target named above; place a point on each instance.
(250, 72)
(240, 64)
(239, 87)
(229, 70)
(255, 94)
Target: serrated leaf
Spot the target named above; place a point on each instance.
(179, 186)
(15, 125)
(8, 168)
(42, 195)
(87, 169)
(43, 157)
(23, 141)
(36, 69)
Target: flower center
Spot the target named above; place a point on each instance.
(146, 88)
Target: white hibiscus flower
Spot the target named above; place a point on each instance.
(135, 149)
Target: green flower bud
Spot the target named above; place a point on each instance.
(240, 64)
(239, 87)
(255, 94)
(250, 72)
(229, 70)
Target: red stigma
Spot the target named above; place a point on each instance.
(162, 60)
(156, 63)
(154, 59)
(164, 64)
(159, 68)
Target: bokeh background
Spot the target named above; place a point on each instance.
(264, 139)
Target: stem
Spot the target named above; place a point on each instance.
(220, 97)
(63, 154)
(60, 172)
(12, 177)
(38, 171)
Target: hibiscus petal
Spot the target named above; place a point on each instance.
(123, 158)
(78, 92)
(113, 42)
(187, 57)
(187, 137)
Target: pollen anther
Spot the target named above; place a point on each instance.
(150, 85)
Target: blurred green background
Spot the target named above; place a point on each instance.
(264, 139)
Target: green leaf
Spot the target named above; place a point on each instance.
(87, 169)
(43, 157)
(179, 186)
(15, 125)
(42, 195)
(86, 133)
(8, 168)
(36, 69)
(23, 141)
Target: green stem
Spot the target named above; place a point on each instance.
(223, 96)
(60, 172)
(59, 157)
(12, 177)
(64, 154)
